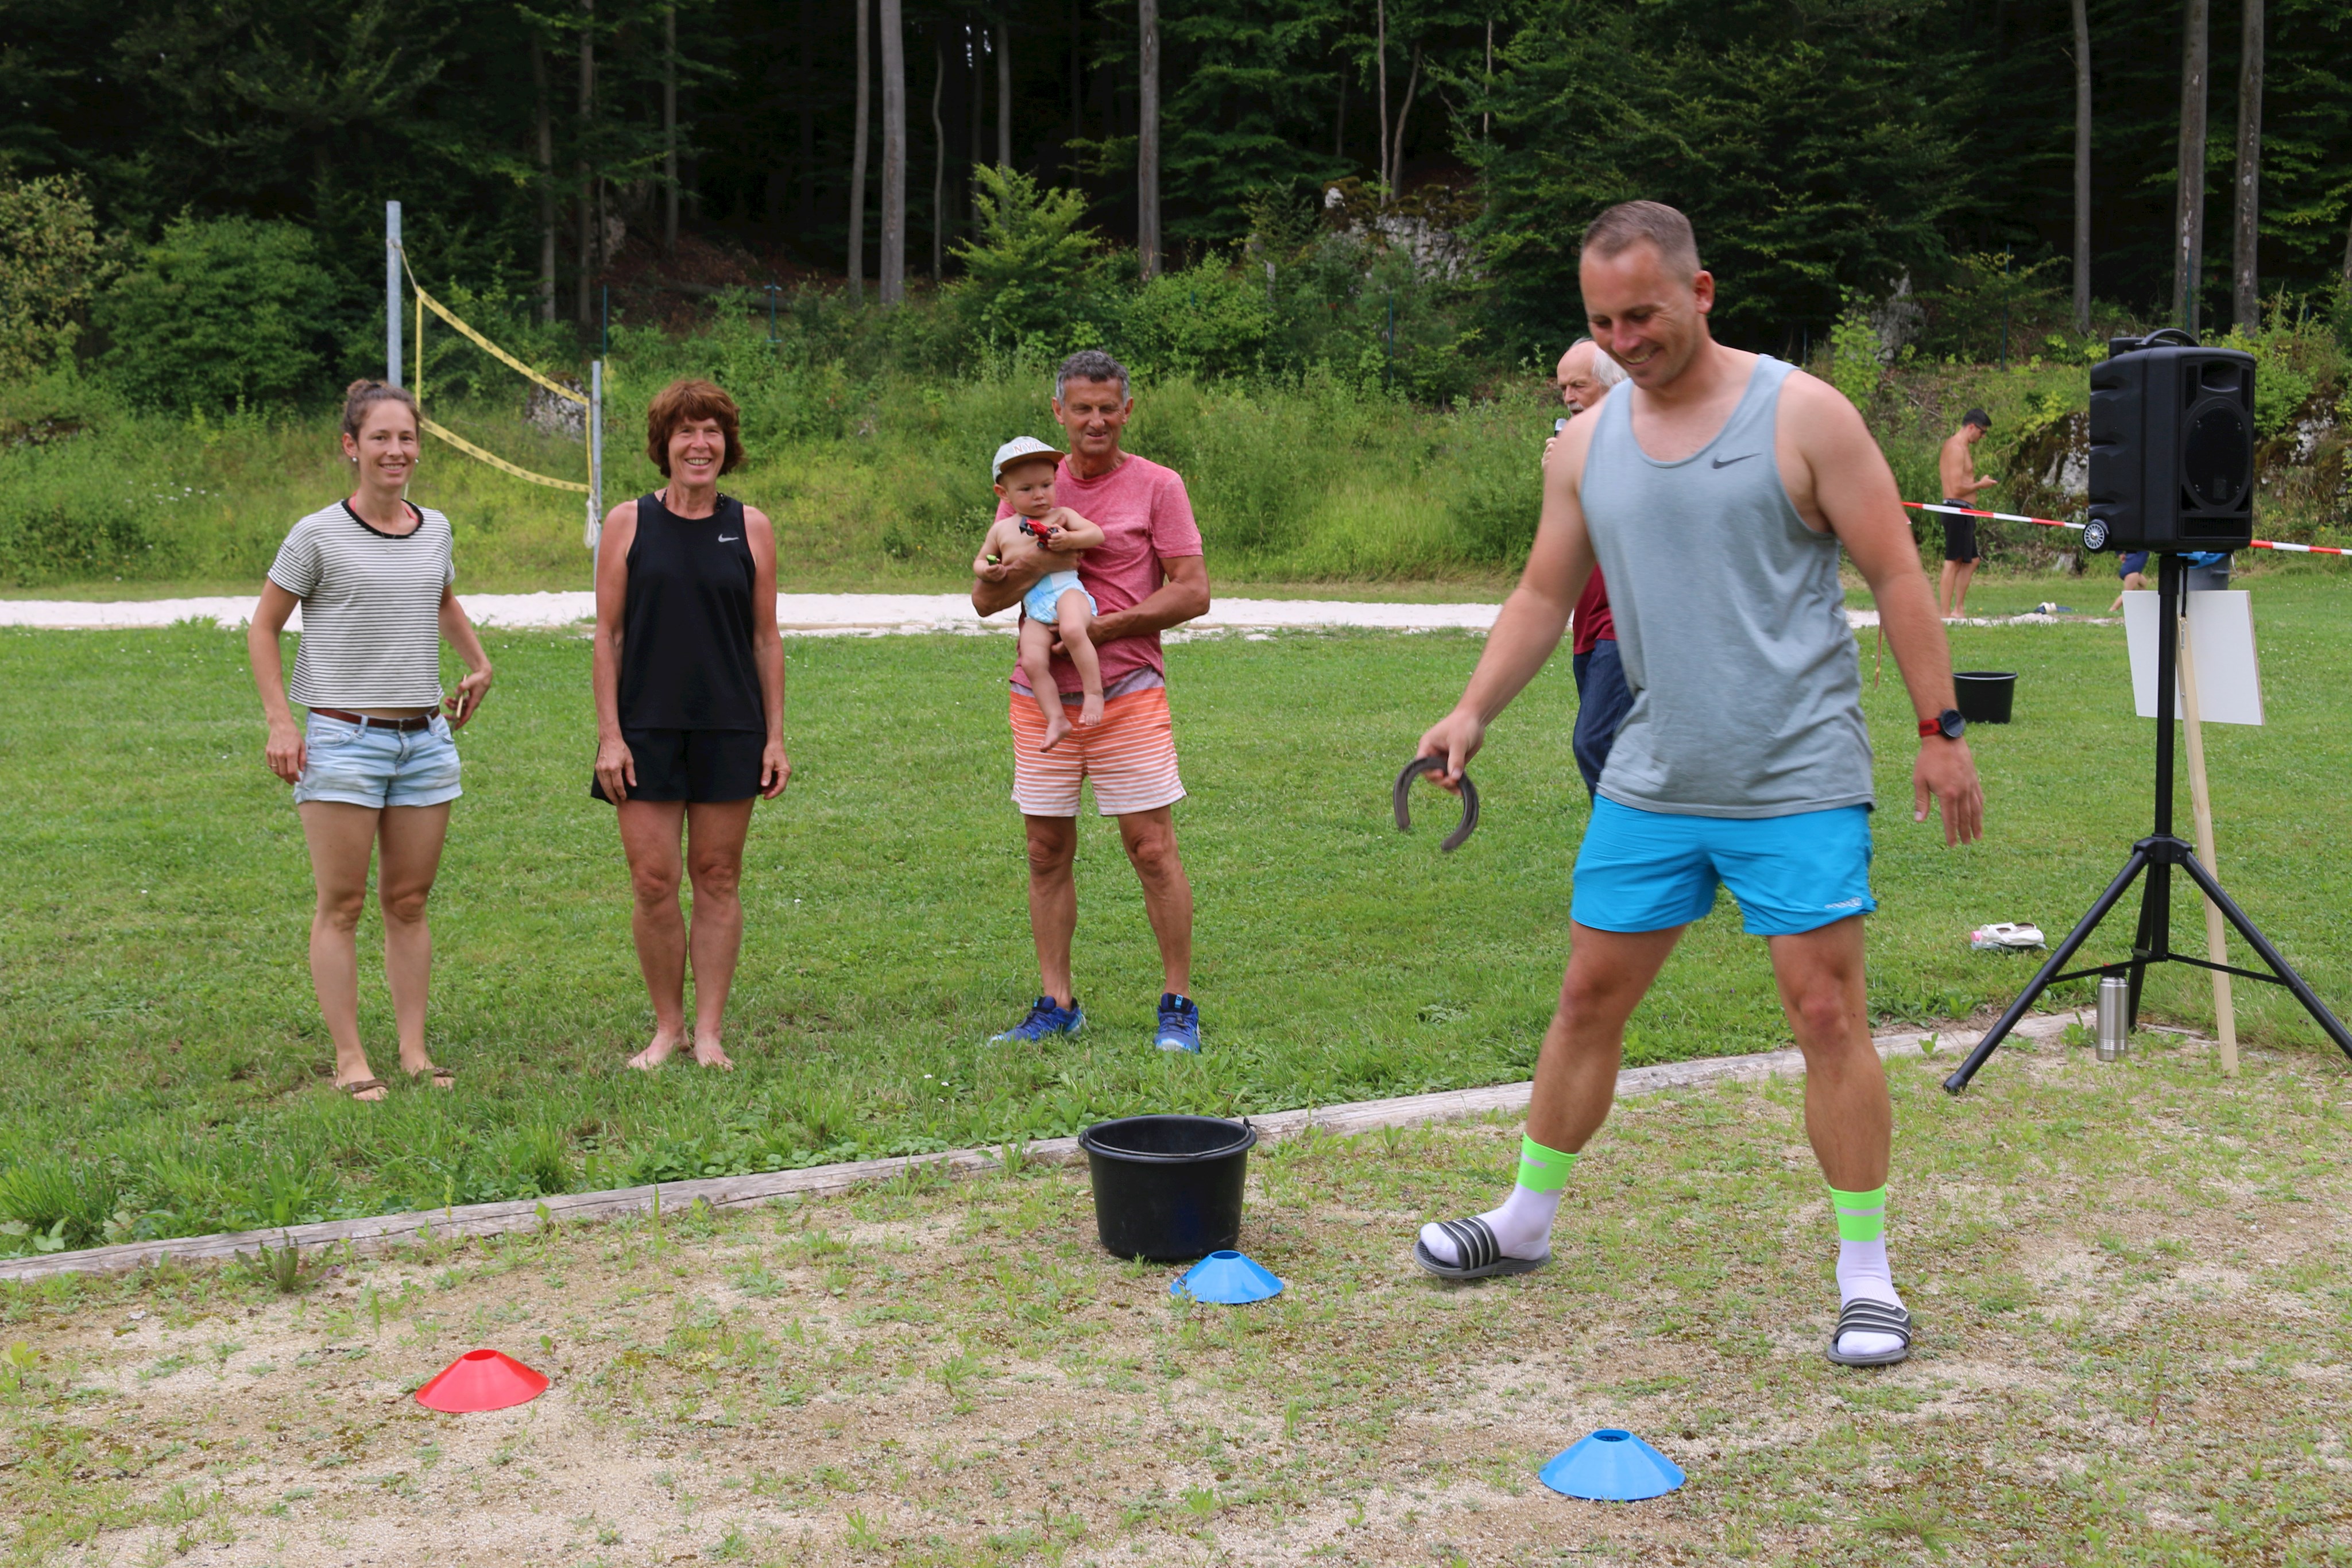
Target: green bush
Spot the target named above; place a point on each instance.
(1855, 365)
(1032, 270)
(1207, 319)
(2294, 356)
(51, 261)
(221, 311)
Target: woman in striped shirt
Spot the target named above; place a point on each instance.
(374, 763)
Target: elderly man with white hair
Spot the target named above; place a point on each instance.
(1602, 698)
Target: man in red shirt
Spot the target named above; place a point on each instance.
(1146, 576)
(1602, 698)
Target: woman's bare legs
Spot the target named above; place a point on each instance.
(342, 841)
(714, 860)
(1077, 627)
(649, 837)
(1037, 669)
(411, 837)
(713, 857)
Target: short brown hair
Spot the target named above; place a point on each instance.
(684, 400)
(1629, 223)
(363, 394)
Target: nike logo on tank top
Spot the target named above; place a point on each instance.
(1730, 622)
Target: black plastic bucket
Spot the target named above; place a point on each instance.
(1985, 694)
(1168, 1187)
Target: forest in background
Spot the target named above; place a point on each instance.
(1368, 215)
(1824, 148)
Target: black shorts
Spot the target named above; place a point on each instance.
(699, 765)
(1959, 534)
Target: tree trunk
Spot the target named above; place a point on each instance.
(543, 125)
(2188, 204)
(587, 252)
(975, 107)
(858, 163)
(1380, 52)
(669, 129)
(2246, 291)
(894, 155)
(1340, 125)
(939, 163)
(1396, 154)
(804, 220)
(1147, 142)
(2081, 167)
(1003, 96)
(1485, 117)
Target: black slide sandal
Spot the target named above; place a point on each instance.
(1871, 1317)
(1414, 769)
(1482, 1255)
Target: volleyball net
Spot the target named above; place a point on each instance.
(591, 402)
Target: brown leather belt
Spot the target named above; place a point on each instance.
(422, 721)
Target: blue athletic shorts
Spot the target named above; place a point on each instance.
(1649, 871)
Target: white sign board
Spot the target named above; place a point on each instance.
(2222, 646)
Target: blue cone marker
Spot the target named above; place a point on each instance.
(1227, 1278)
(1611, 1466)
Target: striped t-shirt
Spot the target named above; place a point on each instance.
(371, 608)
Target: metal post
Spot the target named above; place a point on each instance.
(596, 440)
(392, 293)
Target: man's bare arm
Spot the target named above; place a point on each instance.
(1529, 625)
(1020, 566)
(1856, 494)
(1184, 596)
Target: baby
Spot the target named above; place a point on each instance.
(1057, 605)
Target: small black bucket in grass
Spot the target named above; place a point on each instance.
(1168, 1187)
(1985, 694)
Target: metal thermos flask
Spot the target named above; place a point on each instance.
(2115, 1017)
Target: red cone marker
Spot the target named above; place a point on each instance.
(481, 1380)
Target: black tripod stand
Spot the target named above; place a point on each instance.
(2155, 856)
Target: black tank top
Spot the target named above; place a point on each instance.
(686, 640)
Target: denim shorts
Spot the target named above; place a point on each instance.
(368, 764)
(1649, 871)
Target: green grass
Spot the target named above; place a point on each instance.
(165, 1068)
(881, 483)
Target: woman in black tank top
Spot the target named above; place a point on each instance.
(690, 683)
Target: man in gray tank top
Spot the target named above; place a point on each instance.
(1715, 492)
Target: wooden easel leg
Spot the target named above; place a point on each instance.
(2217, 946)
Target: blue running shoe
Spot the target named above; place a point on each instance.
(1046, 1019)
(1180, 1024)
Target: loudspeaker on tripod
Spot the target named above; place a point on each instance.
(2172, 446)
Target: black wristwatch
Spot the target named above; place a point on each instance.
(1948, 723)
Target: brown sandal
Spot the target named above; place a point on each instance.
(358, 1086)
(443, 1077)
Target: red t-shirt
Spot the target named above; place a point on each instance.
(1593, 623)
(1146, 518)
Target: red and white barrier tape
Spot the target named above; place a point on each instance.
(2054, 523)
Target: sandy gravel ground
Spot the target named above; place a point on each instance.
(2137, 1326)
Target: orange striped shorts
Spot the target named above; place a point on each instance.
(1130, 757)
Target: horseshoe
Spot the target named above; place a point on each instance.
(1420, 765)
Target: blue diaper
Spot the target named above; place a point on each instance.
(1042, 602)
(368, 764)
(1649, 871)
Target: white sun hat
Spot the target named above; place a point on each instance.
(1017, 448)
